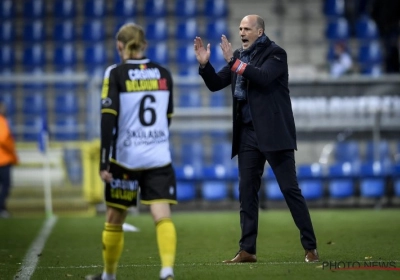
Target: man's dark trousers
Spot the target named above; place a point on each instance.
(251, 167)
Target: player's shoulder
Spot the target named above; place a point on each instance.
(108, 70)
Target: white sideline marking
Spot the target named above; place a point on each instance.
(32, 256)
(199, 264)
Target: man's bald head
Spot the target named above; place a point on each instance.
(257, 20)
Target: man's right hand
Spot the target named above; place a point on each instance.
(106, 176)
(202, 54)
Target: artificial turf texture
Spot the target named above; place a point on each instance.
(73, 249)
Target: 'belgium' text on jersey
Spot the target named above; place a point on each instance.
(138, 94)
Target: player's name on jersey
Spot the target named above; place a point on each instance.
(146, 85)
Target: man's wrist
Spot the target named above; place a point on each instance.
(231, 61)
(203, 65)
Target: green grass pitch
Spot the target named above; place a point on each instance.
(73, 248)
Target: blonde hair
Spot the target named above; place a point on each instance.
(132, 36)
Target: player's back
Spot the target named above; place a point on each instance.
(140, 92)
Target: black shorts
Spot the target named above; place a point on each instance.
(156, 185)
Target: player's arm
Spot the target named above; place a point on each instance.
(109, 114)
(170, 110)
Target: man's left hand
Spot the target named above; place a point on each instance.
(226, 48)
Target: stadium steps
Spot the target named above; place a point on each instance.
(30, 201)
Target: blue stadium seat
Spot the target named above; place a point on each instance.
(217, 172)
(158, 53)
(343, 169)
(9, 100)
(192, 151)
(214, 190)
(64, 31)
(7, 9)
(218, 135)
(192, 162)
(377, 169)
(310, 180)
(215, 29)
(188, 136)
(185, 191)
(370, 53)
(34, 56)
(117, 58)
(187, 30)
(342, 178)
(221, 153)
(94, 8)
(396, 170)
(347, 151)
(31, 128)
(95, 72)
(397, 187)
(366, 29)
(189, 96)
(218, 99)
(7, 31)
(65, 102)
(188, 172)
(236, 190)
(371, 69)
(95, 55)
(272, 189)
(333, 8)
(191, 70)
(65, 128)
(64, 9)
(341, 188)
(307, 171)
(157, 30)
(383, 152)
(372, 187)
(155, 8)
(216, 57)
(34, 9)
(215, 8)
(337, 29)
(373, 179)
(311, 189)
(33, 103)
(186, 8)
(395, 174)
(34, 87)
(65, 55)
(184, 55)
(93, 30)
(34, 31)
(7, 56)
(64, 70)
(125, 8)
(65, 86)
(119, 22)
